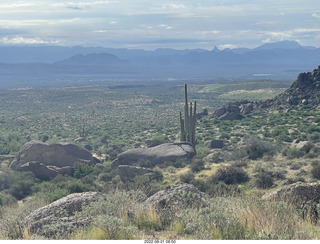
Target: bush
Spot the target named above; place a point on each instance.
(82, 169)
(187, 177)
(255, 149)
(231, 175)
(197, 166)
(157, 175)
(293, 152)
(76, 187)
(263, 180)
(21, 189)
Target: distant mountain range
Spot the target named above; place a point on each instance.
(280, 60)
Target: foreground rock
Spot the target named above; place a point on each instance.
(58, 217)
(180, 197)
(46, 160)
(169, 152)
(304, 196)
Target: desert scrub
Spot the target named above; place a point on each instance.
(216, 221)
(270, 220)
(230, 175)
(315, 170)
(110, 216)
(241, 218)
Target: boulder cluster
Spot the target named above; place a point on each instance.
(47, 161)
(234, 110)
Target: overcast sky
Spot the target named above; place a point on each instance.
(150, 24)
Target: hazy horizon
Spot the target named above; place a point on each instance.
(151, 24)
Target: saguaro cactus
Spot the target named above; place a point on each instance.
(188, 124)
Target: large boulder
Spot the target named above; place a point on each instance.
(58, 218)
(304, 196)
(58, 155)
(169, 152)
(180, 196)
(234, 110)
(214, 143)
(127, 172)
(45, 172)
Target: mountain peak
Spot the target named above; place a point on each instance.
(101, 59)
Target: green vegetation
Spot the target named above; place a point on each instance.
(262, 152)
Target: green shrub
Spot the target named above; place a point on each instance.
(76, 187)
(21, 189)
(263, 180)
(157, 175)
(231, 175)
(187, 177)
(197, 165)
(293, 152)
(82, 169)
(255, 148)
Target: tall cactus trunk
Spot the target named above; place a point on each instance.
(188, 124)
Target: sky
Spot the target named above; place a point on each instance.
(151, 24)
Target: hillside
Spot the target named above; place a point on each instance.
(224, 187)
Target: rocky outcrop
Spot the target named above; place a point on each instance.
(44, 172)
(304, 196)
(128, 173)
(297, 193)
(59, 216)
(169, 152)
(180, 196)
(214, 144)
(304, 90)
(48, 160)
(233, 111)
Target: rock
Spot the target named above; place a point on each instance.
(44, 172)
(151, 143)
(80, 139)
(45, 138)
(137, 145)
(40, 170)
(229, 112)
(58, 217)
(246, 108)
(181, 196)
(60, 155)
(304, 90)
(213, 158)
(219, 112)
(204, 112)
(304, 196)
(297, 193)
(214, 143)
(299, 144)
(127, 173)
(103, 140)
(88, 147)
(169, 152)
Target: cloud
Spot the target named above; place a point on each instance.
(19, 40)
(316, 15)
